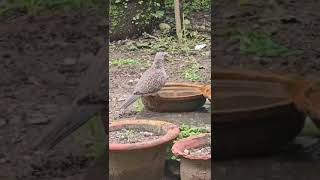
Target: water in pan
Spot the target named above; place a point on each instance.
(178, 92)
(239, 94)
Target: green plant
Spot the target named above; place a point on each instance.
(92, 134)
(138, 105)
(192, 71)
(191, 74)
(190, 6)
(125, 61)
(145, 12)
(164, 42)
(259, 43)
(30, 7)
(185, 131)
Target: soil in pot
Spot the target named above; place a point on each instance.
(126, 136)
(199, 151)
(196, 157)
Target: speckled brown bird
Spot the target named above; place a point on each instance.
(151, 81)
(90, 100)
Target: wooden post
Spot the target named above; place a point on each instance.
(179, 21)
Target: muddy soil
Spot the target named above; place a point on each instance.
(41, 60)
(126, 136)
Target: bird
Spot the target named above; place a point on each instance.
(151, 81)
(90, 100)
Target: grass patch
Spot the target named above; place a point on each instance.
(125, 61)
(260, 44)
(192, 71)
(185, 131)
(92, 134)
(138, 105)
(257, 42)
(191, 74)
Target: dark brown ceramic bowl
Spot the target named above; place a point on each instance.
(176, 97)
(254, 113)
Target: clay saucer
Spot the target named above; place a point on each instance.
(254, 113)
(176, 97)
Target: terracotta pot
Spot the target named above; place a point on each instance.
(193, 167)
(272, 114)
(312, 102)
(176, 97)
(145, 160)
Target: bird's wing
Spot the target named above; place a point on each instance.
(150, 82)
(65, 124)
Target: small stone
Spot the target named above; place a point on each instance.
(186, 151)
(33, 80)
(121, 99)
(3, 160)
(187, 22)
(16, 139)
(69, 61)
(3, 122)
(200, 46)
(147, 134)
(202, 27)
(37, 120)
(263, 62)
(164, 27)
(131, 82)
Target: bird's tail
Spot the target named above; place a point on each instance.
(67, 123)
(129, 101)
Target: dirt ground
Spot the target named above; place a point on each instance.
(296, 27)
(42, 57)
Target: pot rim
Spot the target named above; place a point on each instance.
(179, 147)
(254, 109)
(285, 81)
(171, 132)
(196, 86)
(311, 109)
